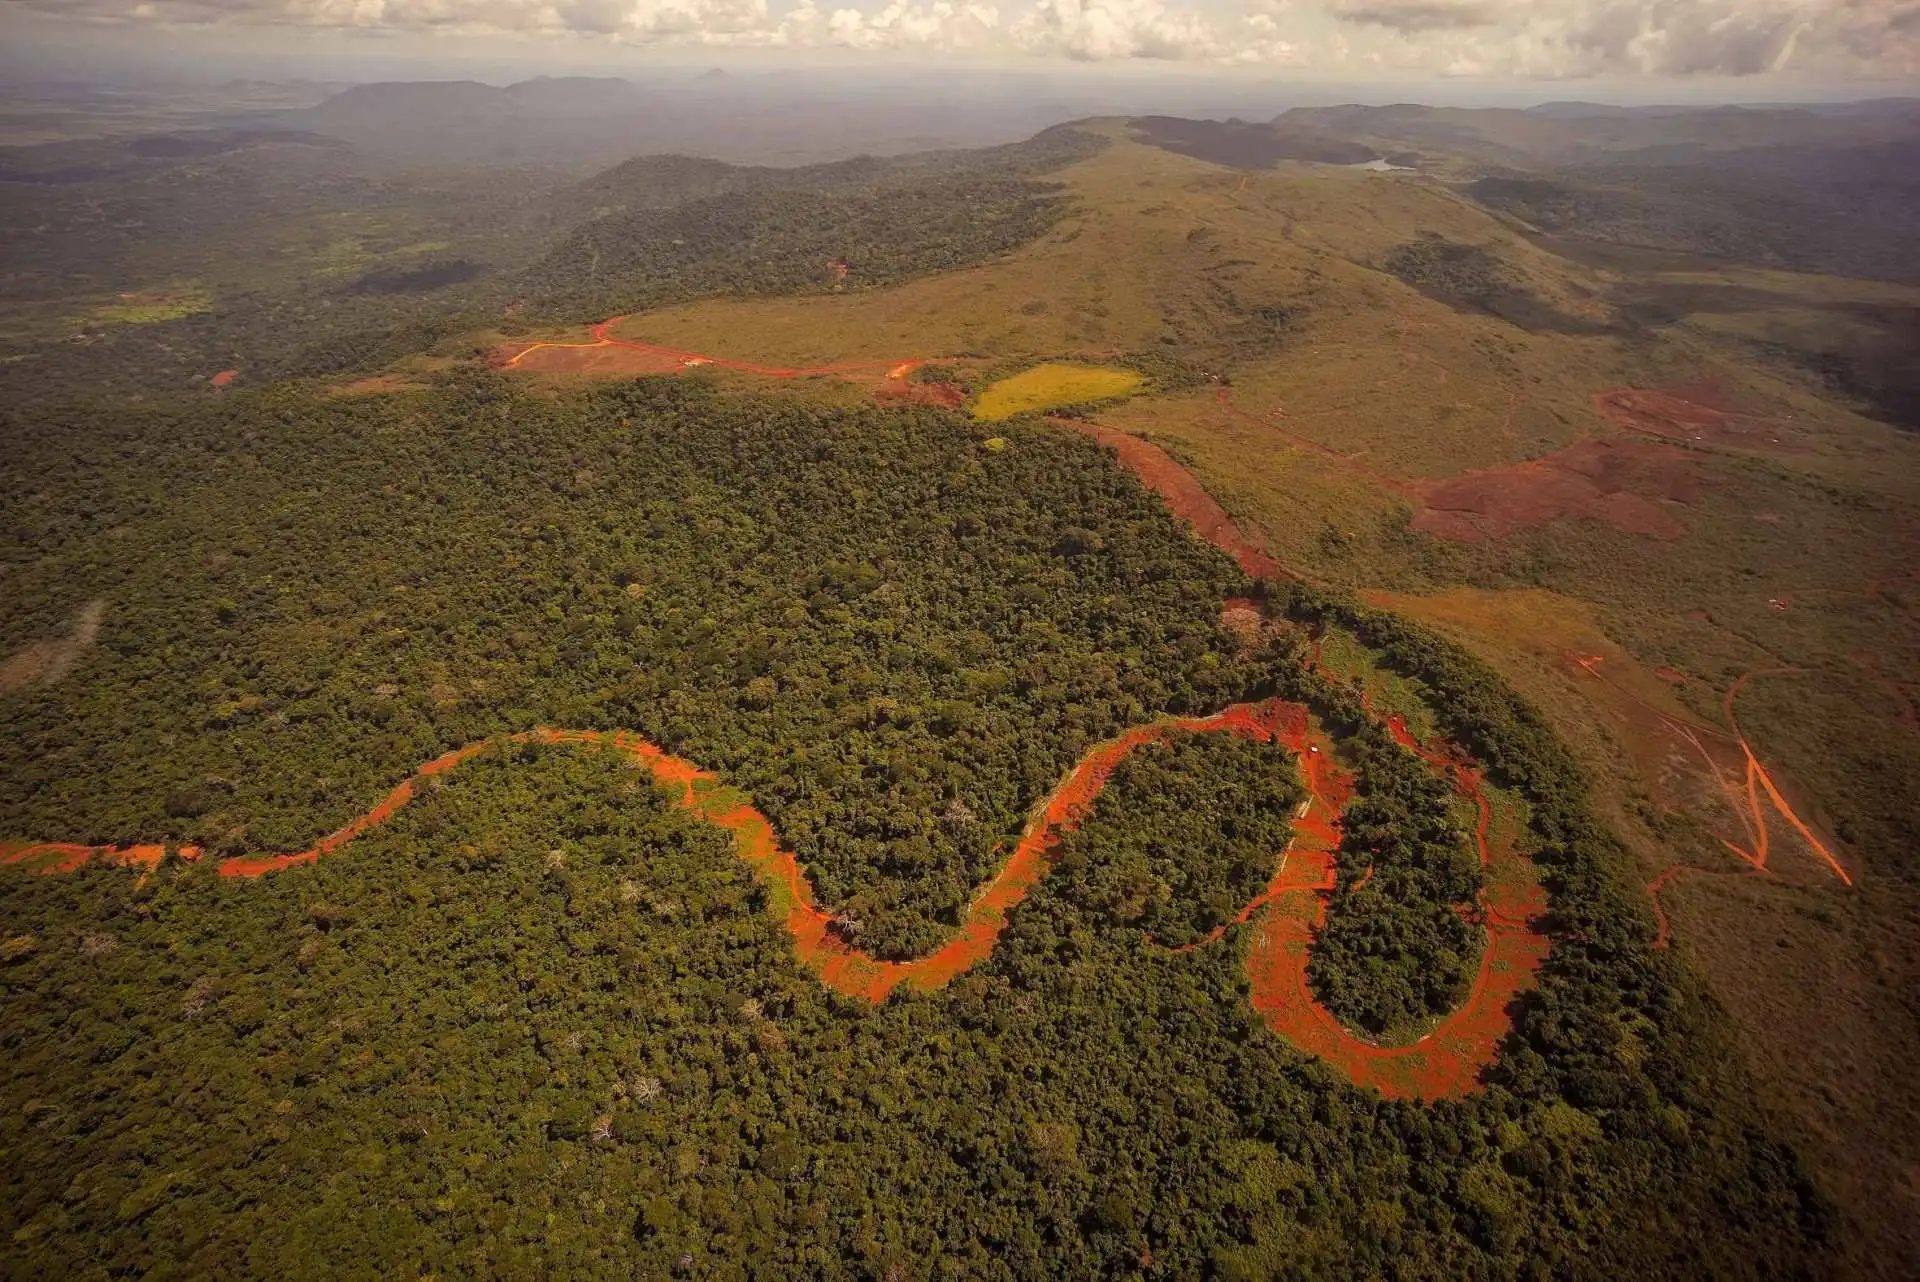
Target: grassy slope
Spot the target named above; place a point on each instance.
(1166, 253)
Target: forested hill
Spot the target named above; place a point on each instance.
(451, 253)
(543, 1021)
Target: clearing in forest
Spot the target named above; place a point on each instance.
(1052, 386)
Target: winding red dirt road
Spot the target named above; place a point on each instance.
(1447, 1063)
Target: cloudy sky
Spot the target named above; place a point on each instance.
(1872, 43)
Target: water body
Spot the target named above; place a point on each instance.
(1380, 166)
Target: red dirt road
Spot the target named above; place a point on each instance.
(1446, 1064)
(1750, 798)
(653, 358)
(1182, 493)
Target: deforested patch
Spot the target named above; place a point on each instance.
(47, 661)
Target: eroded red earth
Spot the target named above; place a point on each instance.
(1698, 412)
(1447, 1062)
(1633, 486)
(1738, 777)
(1183, 494)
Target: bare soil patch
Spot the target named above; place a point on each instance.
(1629, 485)
(45, 662)
(1691, 413)
(902, 391)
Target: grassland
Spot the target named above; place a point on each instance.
(151, 306)
(1053, 386)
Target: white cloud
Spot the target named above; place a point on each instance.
(1545, 39)
(1104, 30)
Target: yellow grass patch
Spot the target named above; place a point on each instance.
(1050, 386)
(148, 307)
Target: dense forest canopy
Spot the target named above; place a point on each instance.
(915, 621)
(541, 1021)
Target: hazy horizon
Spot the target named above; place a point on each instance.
(1131, 54)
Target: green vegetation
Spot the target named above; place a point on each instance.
(1191, 835)
(321, 270)
(538, 1022)
(1052, 386)
(823, 634)
(541, 1023)
(787, 241)
(1472, 278)
(1396, 951)
(149, 307)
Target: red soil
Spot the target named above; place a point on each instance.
(816, 941)
(1628, 485)
(1752, 796)
(898, 391)
(1184, 495)
(224, 377)
(1757, 774)
(1663, 931)
(1695, 413)
(608, 354)
(1449, 1061)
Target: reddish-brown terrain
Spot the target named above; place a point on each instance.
(1632, 486)
(1187, 498)
(609, 354)
(1699, 413)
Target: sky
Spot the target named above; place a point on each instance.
(1639, 48)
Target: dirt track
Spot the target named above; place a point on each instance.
(1750, 798)
(1183, 494)
(1446, 1063)
(652, 358)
